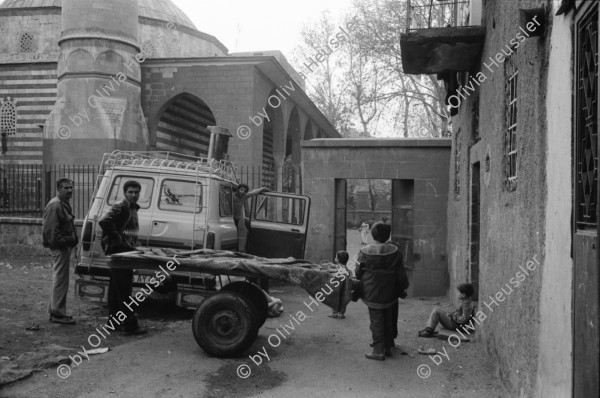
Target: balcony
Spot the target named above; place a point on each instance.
(442, 36)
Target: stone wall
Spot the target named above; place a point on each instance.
(424, 161)
(23, 237)
(512, 226)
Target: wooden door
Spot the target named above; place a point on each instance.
(474, 236)
(403, 194)
(586, 338)
(340, 216)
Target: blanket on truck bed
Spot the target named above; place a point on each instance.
(325, 282)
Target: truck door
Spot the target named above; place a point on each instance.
(179, 207)
(279, 222)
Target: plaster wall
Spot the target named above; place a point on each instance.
(423, 160)
(555, 370)
(513, 223)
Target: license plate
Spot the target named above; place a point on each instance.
(137, 278)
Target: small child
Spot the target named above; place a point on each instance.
(341, 259)
(364, 232)
(456, 319)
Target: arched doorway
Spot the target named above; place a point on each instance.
(272, 143)
(308, 134)
(182, 126)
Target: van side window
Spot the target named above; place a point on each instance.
(225, 201)
(184, 196)
(279, 209)
(116, 190)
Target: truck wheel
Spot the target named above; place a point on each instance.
(223, 324)
(255, 295)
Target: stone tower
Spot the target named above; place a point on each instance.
(98, 105)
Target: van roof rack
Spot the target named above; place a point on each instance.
(165, 160)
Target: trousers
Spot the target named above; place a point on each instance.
(382, 327)
(440, 316)
(242, 233)
(61, 259)
(119, 295)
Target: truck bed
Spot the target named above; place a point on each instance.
(314, 278)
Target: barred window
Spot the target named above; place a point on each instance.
(457, 156)
(510, 137)
(148, 49)
(586, 123)
(8, 116)
(26, 43)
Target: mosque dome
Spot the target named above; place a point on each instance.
(162, 10)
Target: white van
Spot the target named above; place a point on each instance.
(185, 203)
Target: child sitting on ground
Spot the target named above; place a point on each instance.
(341, 259)
(456, 319)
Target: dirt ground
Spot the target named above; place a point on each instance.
(323, 357)
(24, 292)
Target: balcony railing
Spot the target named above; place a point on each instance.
(429, 14)
(442, 37)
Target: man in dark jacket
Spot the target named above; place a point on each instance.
(60, 236)
(381, 286)
(120, 234)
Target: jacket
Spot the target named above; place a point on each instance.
(464, 313)
(58, 226)
(376, 270)
(113, 225)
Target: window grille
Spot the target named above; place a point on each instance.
(148, 49)
(510, 139)
(26, 43)
(8, 116)
(457, 159)
(586, 124)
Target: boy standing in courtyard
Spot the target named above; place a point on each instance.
(382, 281)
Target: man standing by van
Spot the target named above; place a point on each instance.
(120, 234)
(59, 234)
(240, 212)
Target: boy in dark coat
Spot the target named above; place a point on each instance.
(380, 288)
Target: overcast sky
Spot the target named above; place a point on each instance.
(257, 25)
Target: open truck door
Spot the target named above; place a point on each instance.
(279, 222)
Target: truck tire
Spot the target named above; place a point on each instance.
(255, 295)
(224, 324)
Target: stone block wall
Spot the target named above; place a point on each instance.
(44, 26)
(228, 90)
(423, 161)
(23, 237)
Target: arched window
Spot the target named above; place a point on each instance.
(8, 117)
(26, 43)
